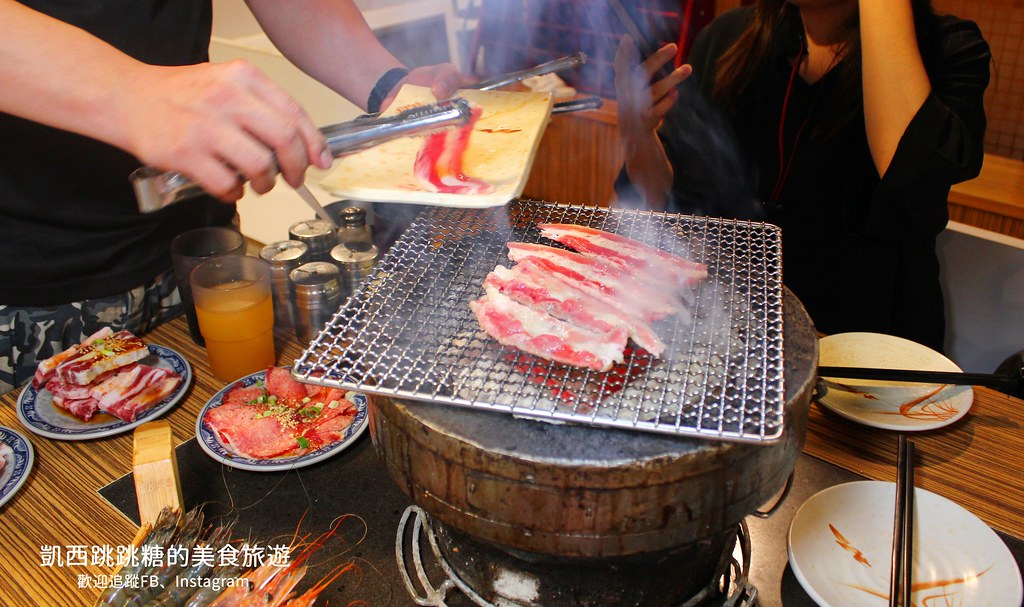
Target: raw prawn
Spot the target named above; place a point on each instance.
(169, 528)
(179, 591)
(307, 598)
(272, 585)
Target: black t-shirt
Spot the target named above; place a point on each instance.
(858, 251)
(70, 228)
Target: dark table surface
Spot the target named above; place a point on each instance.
(270, 506)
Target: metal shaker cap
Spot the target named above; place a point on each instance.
(356, 254)
(316, 280)
(310, 229)
(319, 235)
(353, 217)
(284, 253)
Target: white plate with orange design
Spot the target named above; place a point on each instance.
(901, 406)
(840, 547)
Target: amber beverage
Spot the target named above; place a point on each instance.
(236, 314)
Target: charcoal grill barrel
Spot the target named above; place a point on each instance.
(585, 492)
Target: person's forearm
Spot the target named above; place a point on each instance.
(895, 81)
(649, 169)
(330, 41)
(59, 75)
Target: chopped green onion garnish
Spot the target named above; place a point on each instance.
(303, 443)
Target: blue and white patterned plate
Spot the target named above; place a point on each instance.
(37, 412)
(18, 458)
(208, 440)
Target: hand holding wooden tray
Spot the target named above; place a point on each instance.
(501, 149)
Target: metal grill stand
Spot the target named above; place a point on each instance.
(408, 331)
(728, 586)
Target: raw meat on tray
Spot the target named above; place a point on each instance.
(580, 307)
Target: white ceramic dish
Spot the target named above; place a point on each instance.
(38, 414)
(901, 406)
(18, 459)
(501, 150)
(209, 442)
(840, 546)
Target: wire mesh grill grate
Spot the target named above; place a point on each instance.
(409, 332)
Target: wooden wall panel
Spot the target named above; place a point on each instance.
(578, 159)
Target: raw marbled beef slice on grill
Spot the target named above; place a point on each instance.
(627, 253)
(540, 334)
(601, 280)
(529, 284)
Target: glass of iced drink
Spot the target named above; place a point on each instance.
(236, 314)
(192, 248)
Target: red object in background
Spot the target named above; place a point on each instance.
(516, 34)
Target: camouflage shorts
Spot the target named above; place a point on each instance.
(30, 335)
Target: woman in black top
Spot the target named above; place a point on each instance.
(843, 122)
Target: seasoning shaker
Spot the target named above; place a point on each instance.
(353, 227)
(318, 235)
(317, 297)
(355, 261)
(355, 255)
(283, 257)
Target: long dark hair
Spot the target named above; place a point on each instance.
(740, 64)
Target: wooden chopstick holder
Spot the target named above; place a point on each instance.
(155, 467)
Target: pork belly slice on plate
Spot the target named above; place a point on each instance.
(73, 398)
(627, 253)
(602, 280)
(529, 284)
(132, 389)
(100, 356)
(513, 324)
(46, 369)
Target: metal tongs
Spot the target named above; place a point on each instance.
(556, 65)
(156, 189)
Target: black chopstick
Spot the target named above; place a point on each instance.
(901, 571)
(990, 380)
(908, 527)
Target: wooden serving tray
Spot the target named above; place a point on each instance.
(500, 151)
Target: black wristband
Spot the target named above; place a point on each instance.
(383, 87)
